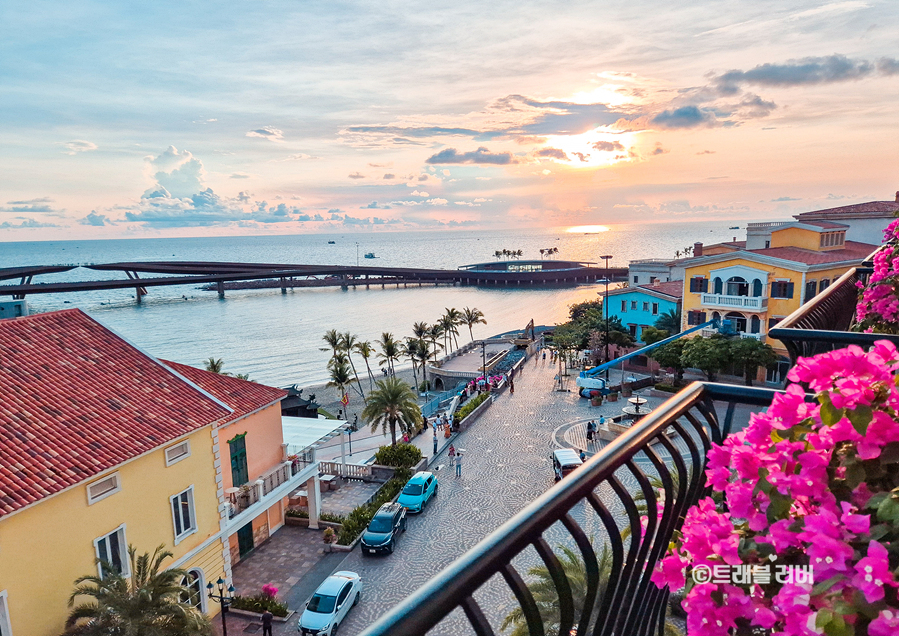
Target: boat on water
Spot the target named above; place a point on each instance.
(735, 227)
(330, 242)
(370, 255)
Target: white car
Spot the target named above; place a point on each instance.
(330, 604)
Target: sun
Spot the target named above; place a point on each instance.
(587, 229)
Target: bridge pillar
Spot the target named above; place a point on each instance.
(138, 295)
(221, 287)
(283, 286)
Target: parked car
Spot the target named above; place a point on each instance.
(565, 461)
(330, 604)
(388, 522)
(418, 491)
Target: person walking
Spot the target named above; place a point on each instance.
(583, 457)
(435, 441)
(590, 428)
(511, 387)
(459, 464)
(267, 623)
(452, 455)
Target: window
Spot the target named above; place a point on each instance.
(193, 589)
(737, 286)
(718, 286)
(824, 284)
(781, 289)
(176, 453)
(655, 309)
(623, 305)
(113, 549)
(636, 279)
(756, 288)
(632, 329)
(767, 244)
(344, 593)
(645, 306)
(5, 627)
(772, 322)
(755, 324)
(634, 305)
(652, 279)
(695, 317)
(810, 289)
(698, 284)
(183, 514)
(103, 488)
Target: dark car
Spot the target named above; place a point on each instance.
(389, 520)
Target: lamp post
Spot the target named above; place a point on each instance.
(605, 306)
(223, 599)
(357, 253)
(484, 361)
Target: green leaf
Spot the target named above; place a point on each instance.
(823, 586)
(888, 510)
(838, 627)
(876, 500)
(855, 475)
(830, 414)
(780, 506)
(824, 617)
(860, 417)
(879, 531)
(890, 453)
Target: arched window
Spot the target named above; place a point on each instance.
(193, 589)
(737, 321)
(737, 286)
(716, 315)
(718, 285)
(755, 325)
(757, 288)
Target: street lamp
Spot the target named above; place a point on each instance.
(223, 599)
(484, 361)
(605, 306)
(357, 253)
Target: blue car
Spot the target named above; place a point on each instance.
(418, 491)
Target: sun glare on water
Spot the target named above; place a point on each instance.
(587, 229)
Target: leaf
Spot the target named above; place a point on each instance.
(888, 510)
(830, 414)
(860, 417)
(876, 500)
(890, 453)
(779, 507)
(823, 586)
(838, 627)
(879, 531)
(855, 475)
(823, 618)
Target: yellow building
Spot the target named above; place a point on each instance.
(756, 288)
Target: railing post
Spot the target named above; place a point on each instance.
(260, 489)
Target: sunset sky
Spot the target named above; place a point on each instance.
(188, 118)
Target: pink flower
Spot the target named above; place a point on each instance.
(886, 624)
(670, 572)
(856, 524)
(872, 573)
(269, 590)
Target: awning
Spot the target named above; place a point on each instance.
(300, 433)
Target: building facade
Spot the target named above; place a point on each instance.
(640, 306)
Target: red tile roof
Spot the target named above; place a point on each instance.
(673, 288)
(853, 251)
(242, 396)
(76, 399)
(871, 208)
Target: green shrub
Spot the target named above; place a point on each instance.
(297, 512)
(471, 405)
(327, 516)
(357, 521)
(668, 388)
(259, 603)
(424, 386)
(400, 456)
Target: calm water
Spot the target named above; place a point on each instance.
(276, 338)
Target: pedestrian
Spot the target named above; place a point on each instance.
(544, 357)
(405, 438)
(459, 464)
(511, 387)
(435, 441)
(452, 455)
(583, 456)
(267, 623)
(590, 429)
(602, 420)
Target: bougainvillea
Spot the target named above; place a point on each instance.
(878, 306)
(805, 539)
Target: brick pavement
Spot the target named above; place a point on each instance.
(281, 561)
(350, 495)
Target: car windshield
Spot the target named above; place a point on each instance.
(412, 489)
(322, 604)
(380, 524)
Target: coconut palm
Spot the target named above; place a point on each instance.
(348, 344)
(541, 253)
(424, 354)
(392, 404)
(455, 317)
(390, 351)
(365, 350)
(410, 350)
(332, 338)
(497, 254)
(471, 317)
(420, 330)
(446, 323)
(340, 373)
(435, 331)
(215, 365)
(148, 603)
(669, 321)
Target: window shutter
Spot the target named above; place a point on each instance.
(692, 285)
(772, 322)
(701, 317)
(789, 293)
(689, 317)
(704, 284)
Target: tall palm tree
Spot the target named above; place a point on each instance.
(215, 365)
(471, 317)
(435, 331)
(424, 355)
(332, 338)
(541, 253)
(348, 344)
(446, 323)
(420, 330)
(410, 350)
(669, 321)
(390, 351)
(148, 603)
(340, 373)
(392, 405)
(455, 317)
(365, 350)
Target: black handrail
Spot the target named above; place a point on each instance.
(627, 603)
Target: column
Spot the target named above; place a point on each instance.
(314, 499)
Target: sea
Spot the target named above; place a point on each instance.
(277, 339)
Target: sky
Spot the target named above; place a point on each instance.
(255, 117)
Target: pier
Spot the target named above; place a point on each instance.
(219, 276)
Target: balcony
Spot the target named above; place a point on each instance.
(587, 510)
(270, 487)
(753, 336)
(723, 301)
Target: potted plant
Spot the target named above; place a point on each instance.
(613, 396)
(595, 398)
(329, 537)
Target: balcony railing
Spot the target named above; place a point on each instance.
(823, 323)
(756, 303)
(278, 475)
(753, 336)
(669, 446)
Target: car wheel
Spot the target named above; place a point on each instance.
(390, 547)
(404, 525)
(435, 490)
(334, 630)
(356, 600)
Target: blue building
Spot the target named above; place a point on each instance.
(639, 306)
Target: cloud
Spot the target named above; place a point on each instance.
(26, 223)
(31, 201)
(77, 145)
(437, 201)
(424, 177)
(608, 146)
(470, 204)
(417, 193)
(482, 200)
(374, 206)
(239, 175)
(300, 156)
(481, 155)
(267, 132)
(389, 176)
(803, 72)
(415, 131)
(752, 106)
(706, 152)
(658, 150)
(356, 175)
(684, 117)
(95, 219)
(552, 153)
(31, 206)
(381, 165)
(834, 197)
(779, 199)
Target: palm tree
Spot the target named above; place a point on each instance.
(669, 321)
(215, 365)
(446, 323)
(148, 603)
(420, 330)
(424, 354)
(519, 254)
(348, 344)
(365, 350)
(410, 350)
(471, 317)
(677, 254)
(435, 331)
(456, 317)
(497, 254)
(340, 373)
(390, 405)
(390, 351)
(541, 253)
(332, 337)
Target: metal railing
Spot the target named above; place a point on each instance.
(669, 447)
(275, 477)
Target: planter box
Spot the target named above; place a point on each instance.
(303, 522)
(258, 617)
(471, 417)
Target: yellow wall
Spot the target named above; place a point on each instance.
(263, 442)
(43, 549)
(796, 237)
